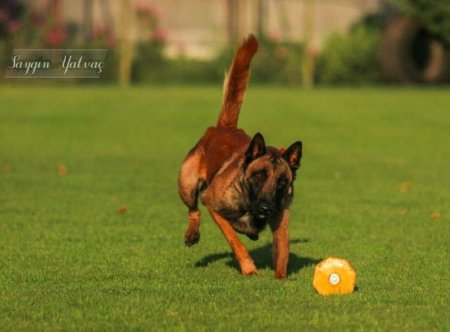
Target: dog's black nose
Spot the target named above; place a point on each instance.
(265, 210)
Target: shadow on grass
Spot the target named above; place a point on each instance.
(262, 257)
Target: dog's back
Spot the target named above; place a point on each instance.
(219, 143)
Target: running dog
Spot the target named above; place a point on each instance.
(245, 184)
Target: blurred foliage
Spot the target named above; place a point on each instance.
(278, 63)
(433, 14)
(148, 56)
(21, 27)
(350, 58)
(10, 14)
(4, 57)
(104, 38)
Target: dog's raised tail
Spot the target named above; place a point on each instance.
(235, 83)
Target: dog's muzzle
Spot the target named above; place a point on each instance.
(264, 210)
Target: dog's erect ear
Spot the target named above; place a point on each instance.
(293, 155)
(256, 148)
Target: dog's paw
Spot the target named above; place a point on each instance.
(249, 269)
(280, 275)
(191, 238)
(250, 273)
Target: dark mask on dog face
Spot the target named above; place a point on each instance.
(269, 176)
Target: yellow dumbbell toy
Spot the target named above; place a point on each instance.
(334, 276)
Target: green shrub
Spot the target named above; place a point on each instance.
(103, 38)
(275, 63)
(433, 14)
(176, 71)
(279, 63)
(350, 59)
(148, 59)
(4, 57)
(111, 64)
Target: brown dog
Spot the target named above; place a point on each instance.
(246, 184)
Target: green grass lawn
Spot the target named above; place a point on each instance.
(375, 168)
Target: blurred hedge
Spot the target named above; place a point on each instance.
(276, 63)
(350, 58)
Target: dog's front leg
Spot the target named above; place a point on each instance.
(280, 247)
(241, 253)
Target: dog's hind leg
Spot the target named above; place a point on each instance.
(190, 183)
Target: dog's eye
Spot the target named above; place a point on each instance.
(259, 175)
(282, 182)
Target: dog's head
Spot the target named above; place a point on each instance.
(269, 175)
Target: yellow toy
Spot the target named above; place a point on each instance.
(334, 276)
